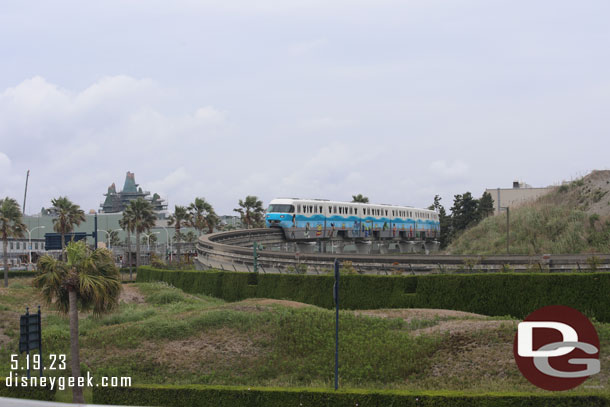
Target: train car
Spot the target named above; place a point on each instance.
(312, 219)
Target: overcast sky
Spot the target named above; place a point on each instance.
(397, 100)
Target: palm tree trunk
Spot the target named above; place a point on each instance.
(137, 252)
(129, 253)
(77, 392)
(5, 254)
(178, 240)
(64, 255)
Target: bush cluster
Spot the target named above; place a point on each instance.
(32, 393)
(495, 294)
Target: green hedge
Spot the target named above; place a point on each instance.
(489, 294)
(32, 393)
(18, 273)
(220, 396)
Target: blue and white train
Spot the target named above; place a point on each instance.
(311, 219)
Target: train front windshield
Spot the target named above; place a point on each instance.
(280, 209)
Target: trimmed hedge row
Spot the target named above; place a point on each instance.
(493, 294)
(32, 393)
(224, 396)
(19, 273)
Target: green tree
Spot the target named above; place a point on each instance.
(251, 212)
(179, 219)
(486, 206)
(203, 216)
(190, 237)
(143, 218)
(360, 198)
(464, 213)
(88, 280)
(10, 226)
(68, 216)
(444, 221)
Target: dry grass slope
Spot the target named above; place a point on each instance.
(573, 218)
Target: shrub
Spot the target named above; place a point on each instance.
(32, 393)
(516, 294)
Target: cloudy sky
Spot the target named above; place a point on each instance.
(396, 99)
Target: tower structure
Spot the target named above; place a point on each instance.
(118, 201)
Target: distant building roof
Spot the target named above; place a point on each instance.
(118, 201)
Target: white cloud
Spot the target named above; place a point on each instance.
(320, 123)
(306, 47)
(79, 142)
(5, 163)
(451, 170)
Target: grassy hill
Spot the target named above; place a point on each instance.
(161, 335)
(573, 218)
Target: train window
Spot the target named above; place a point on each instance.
(299, 208)
(350, 210)
(355, 211)
(321, 209)
(280, 209)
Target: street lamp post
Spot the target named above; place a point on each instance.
(30, 243)
(169, 242)
(507, 228)
(107, 236)
(148, 237)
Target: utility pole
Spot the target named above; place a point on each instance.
(336, 298)
(507, 230)
(25, 194)
(254, 246)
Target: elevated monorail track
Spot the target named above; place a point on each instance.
(233, 251)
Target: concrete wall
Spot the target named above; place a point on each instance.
(512, 197)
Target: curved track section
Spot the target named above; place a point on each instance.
(233, 251)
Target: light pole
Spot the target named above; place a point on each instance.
(169, 241)
(148, 238)
(30, 243)
(107, 236)
(507, 228)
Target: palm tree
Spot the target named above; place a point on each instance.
(89, 280)
(143, 216)
(179, 219)
(10, 226)
(126, 223)
(360, 198)
(190, 237)
(202, 215)
(251, 211)
(68, 215)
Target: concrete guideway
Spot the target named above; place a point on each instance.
(233, 251)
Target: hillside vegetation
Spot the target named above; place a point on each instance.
(162, 335)
(572, 218)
